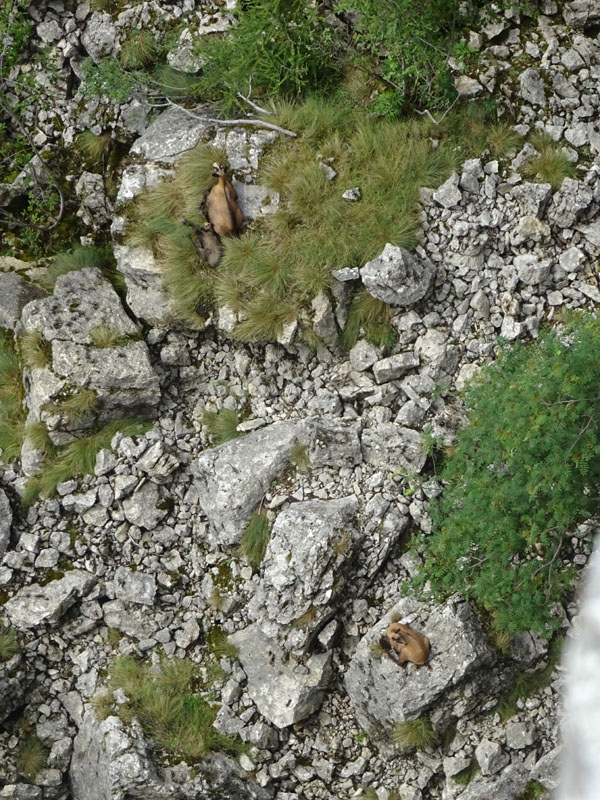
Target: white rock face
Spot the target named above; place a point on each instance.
(398, 277)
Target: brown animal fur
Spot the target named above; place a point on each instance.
(407, 644)
(221, 208)
(206, 241)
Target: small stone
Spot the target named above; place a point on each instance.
(352, 195)
(518, 735)
(490, 757)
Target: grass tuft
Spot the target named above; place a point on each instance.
(368, 317)
(218, 644)
(9, 645)
(139, 49)
(170, 707)
(95, 147)
(551, 166)
(107, 336)
(221, 425)
(255, 539)
(299, 457)
(80, 257)
(415, 733)
(12, 414)
(80, 403)
(36, 352)
(38, 435)
(32, 757)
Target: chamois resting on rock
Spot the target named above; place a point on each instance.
(206, 241)
(406, 644)
(220, 205)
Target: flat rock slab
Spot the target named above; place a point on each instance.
(304, 569)
(398, 277)
(383, 693)
(5, 522)
(285, 691)
(38, 605)
(231, 479)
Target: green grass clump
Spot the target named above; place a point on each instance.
(415, 733)
(9, 645)
(36, 352)
(466, 775)
(95, 147)
(368, 317)
(299, 457)
(533, 791)
(218, 644)
(32, 757)
(551, 166)
(255, 539)
(221, 425)
(80, 257)
(139, 49)
(527, 684)
(170, 707)
(78, 458)
(107, 336)
(38, 435)
(12, 414)
(77, 405)
(521, 474)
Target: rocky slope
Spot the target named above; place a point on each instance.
(141, 557)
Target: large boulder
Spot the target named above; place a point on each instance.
(37, 605)
(382, 693)
(304, 569)
(122, 377)
(398, 277)
(285, 689)
(231, 479)
(111, 762)
(146, 295)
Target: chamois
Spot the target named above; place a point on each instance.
(220, 205)
(406, 644)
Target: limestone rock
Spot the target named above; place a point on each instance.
(171, 134)
(134, 587)
(392, 367)
(448, 195)
(36, 605)
(532, 87)
(382, 693)
(95, 208)
(15, 681)
(569, 203)
(100, 36)
(231, 479)
(398, 277)
(334, 441)
(390, 446)
(146, 296)
(142, 508)
(581, 13)
(531, 269)
(15, 293)
(284, 690)
(508, 785)
(304, 569)
(490, 757)
(5, 522)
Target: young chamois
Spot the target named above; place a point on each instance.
(406, 644)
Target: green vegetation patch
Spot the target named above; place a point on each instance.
(221, 425)
(415, 733)
(36, 352)
(170, 706)
(523, 471)
(80, 257)
(32, 757)
(78, 458)
(12, 413)
(551, 165)
(255, 539)
(9, 644)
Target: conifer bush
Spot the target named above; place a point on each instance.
(523, 471)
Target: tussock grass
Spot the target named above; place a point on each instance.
(368, 317)
(139, 49)
(12, 414)
(221, 425)
(218, 644)
(415, 733)
(38, 435)
(80, 403)
(9, 645)
(35, 350)
(32, 757)
(95, 147)
(255, 539)
(299, 457)
(78, 458)
(551, 166)
(80, 257)
(107, 336)
(169, 707)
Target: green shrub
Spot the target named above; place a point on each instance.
(255, 539)
(169, 706)
(9, 645)
(415, 733)
(523, 471)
